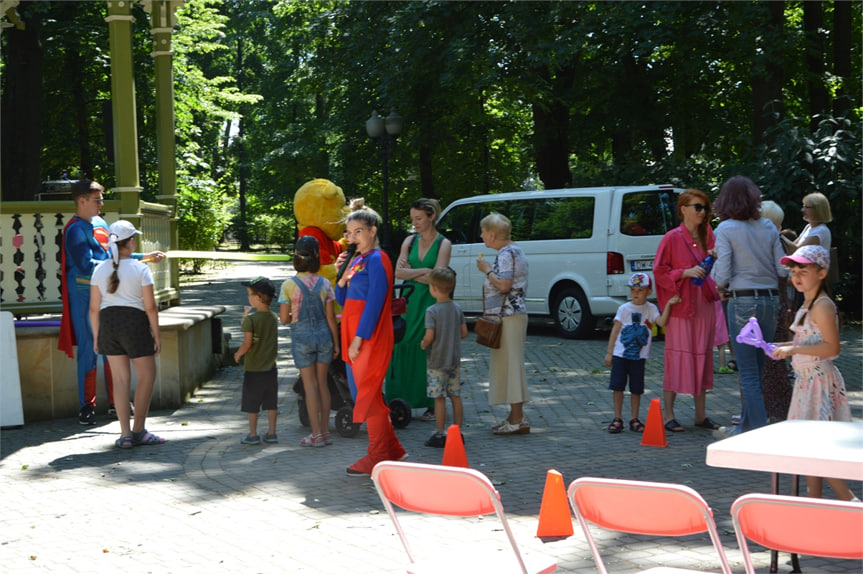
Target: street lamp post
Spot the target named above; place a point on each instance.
(383, 132)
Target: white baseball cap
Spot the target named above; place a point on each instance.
(639, 280)
(121, 230)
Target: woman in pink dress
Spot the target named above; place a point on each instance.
(690, 330)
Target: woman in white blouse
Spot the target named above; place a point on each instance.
(816, 214)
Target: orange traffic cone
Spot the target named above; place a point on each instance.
(554, 517)
(654, 430)
(453, 452)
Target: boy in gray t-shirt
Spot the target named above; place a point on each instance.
(445, 328)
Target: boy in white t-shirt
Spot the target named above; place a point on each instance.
(629, 347)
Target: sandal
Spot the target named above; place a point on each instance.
(507, 427)
(616, 426)
(427, 416)
(726, 370)
(313, 440)
(708, 424)
(636, 425)
(674, 426)
(328, 439)
(145, 438)
(124, 442)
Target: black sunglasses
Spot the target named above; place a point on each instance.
(698, 207)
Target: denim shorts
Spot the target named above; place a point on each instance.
(310, 347)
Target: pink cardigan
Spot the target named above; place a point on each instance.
(677, 253)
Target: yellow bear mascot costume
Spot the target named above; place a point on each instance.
(320, 209)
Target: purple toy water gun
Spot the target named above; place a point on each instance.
(750, 334)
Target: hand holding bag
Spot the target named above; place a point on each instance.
(488, 328)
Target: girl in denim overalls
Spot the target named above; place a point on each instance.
(307, 303)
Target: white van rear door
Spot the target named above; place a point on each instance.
(639, 220)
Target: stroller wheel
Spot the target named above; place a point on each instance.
(345, 424)
(400, 413)
(303, 412)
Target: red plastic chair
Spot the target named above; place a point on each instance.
(639, 507)
(450, 491)
(799, 525)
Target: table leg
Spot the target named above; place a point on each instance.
(774, 555)
(795, 491)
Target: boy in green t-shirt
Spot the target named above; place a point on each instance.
(260, 346)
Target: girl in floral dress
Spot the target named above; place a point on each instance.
(819, 390)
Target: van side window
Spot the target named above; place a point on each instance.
(460, 224)
(563, 218)
(648, 212)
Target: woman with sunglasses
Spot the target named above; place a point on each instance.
(678, 270)
(748, 267)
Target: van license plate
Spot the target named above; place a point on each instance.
(642, 265)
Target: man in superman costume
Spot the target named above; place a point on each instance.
(82, 251)
(367, 336)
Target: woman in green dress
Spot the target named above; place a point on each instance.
(420, 253)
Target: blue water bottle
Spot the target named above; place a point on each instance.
(707, 265)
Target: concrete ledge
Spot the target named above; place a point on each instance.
(49, 382)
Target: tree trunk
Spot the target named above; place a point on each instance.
(767, 76)
(22, 111)
(813, 24)
(842, 56)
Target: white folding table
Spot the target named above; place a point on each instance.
(828, 449)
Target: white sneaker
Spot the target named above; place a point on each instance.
(723, 432)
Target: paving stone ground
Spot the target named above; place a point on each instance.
(204, 503)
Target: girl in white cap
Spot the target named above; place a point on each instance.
(125, 323)
(819, 390)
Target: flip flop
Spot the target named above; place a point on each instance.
(707, 424)
(674, 426)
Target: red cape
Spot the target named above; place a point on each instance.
(66, 340)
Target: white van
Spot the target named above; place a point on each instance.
(581, 244)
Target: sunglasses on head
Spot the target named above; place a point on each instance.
(698, 207)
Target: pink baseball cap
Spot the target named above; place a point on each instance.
(809, 254)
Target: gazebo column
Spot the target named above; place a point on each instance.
(128, 187)
(162, 21)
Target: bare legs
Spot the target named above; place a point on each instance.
(317, 396)
(814, 486)
(440, 413)
(516, 413)
(700, 405)
(634, 404)
(121, 368)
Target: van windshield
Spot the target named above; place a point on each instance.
(648, 212)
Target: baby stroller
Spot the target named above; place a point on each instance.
(337, 380)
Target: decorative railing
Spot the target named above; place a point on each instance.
(31, 236)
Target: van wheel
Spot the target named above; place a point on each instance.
(572, 316)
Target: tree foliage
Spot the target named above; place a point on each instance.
(496, 96)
